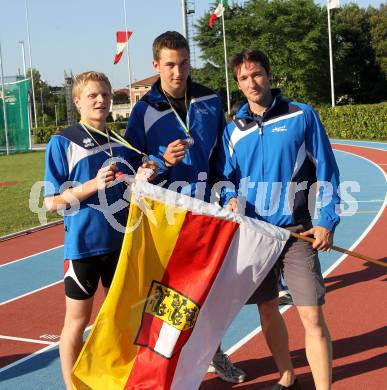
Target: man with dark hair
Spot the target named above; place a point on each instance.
(178, 124)
(282, 147)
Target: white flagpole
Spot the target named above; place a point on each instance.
(30, 56)
(4, 104)
(225, 65)
(330, 57)
(29, 102)
(128, 59)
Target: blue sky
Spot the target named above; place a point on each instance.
(79, 35)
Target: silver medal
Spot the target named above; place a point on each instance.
(189, 141)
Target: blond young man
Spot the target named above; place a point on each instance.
(79, 167)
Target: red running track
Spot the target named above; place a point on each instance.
(355, 313)
(31, 243)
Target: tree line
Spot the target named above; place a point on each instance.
(294, 34)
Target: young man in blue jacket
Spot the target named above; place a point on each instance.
(178, 124)
(276, 154)
(80, 171)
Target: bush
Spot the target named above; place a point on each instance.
(41, 135)
(362, 121)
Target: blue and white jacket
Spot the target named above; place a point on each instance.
(73, 158)
(274, 162)
(153, 125)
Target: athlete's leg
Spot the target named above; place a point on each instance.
(276, 336)
(77, 317)
(318, 345)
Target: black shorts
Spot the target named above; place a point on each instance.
(81, 276)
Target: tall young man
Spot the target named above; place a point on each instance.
(178, 124)
(282, 148)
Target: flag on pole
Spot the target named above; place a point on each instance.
(217, 13)
(333, 4)
(185, 270)
(122, 41)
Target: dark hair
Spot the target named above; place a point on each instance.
(246, 55)
(169, 40)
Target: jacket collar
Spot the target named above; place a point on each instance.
(245, 113)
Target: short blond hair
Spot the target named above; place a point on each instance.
(82, 79)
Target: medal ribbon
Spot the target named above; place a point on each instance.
(116, 137)
(183, 125)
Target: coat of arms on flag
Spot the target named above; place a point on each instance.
(171, 302)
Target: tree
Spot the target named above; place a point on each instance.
(378, 22)
(294, 34)
(356, 73)
(291, 32)
(47, 97)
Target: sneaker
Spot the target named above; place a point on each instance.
(226, 371)
(284, 298)
(295, 386)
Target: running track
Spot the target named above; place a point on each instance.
(32, 304)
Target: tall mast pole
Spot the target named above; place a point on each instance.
(128, 60)
(30, 58)
(4, 104)
(225, 65)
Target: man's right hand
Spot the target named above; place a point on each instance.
(174, 153)
(105, 176)
(233, 205)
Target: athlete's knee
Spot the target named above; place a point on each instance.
(313, 321)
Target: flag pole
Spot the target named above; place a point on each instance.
(30, 58)
(128, 60)
(342, 250)
(4, 104)
(225, 65)
(330, 56)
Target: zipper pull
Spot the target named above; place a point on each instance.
(260, 130)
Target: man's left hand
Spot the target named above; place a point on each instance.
(323, 238)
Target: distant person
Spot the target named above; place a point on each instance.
(77, 170)
(282, 148)
(178, 124)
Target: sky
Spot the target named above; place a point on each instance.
(80, 35)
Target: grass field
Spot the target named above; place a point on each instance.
(18, 174)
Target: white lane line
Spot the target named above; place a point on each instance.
(248, 337)
(32, 355)
(31, 292)
(27, 257)
(26, 340)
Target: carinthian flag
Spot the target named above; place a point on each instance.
(186, 269)
(122, 41)
(217, 13)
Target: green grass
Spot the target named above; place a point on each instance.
(15, 214)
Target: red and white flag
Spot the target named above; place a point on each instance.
(217, 13)
(122, 41)
(184, 273)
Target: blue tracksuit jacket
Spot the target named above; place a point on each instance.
(153, 125)
(274, 162)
